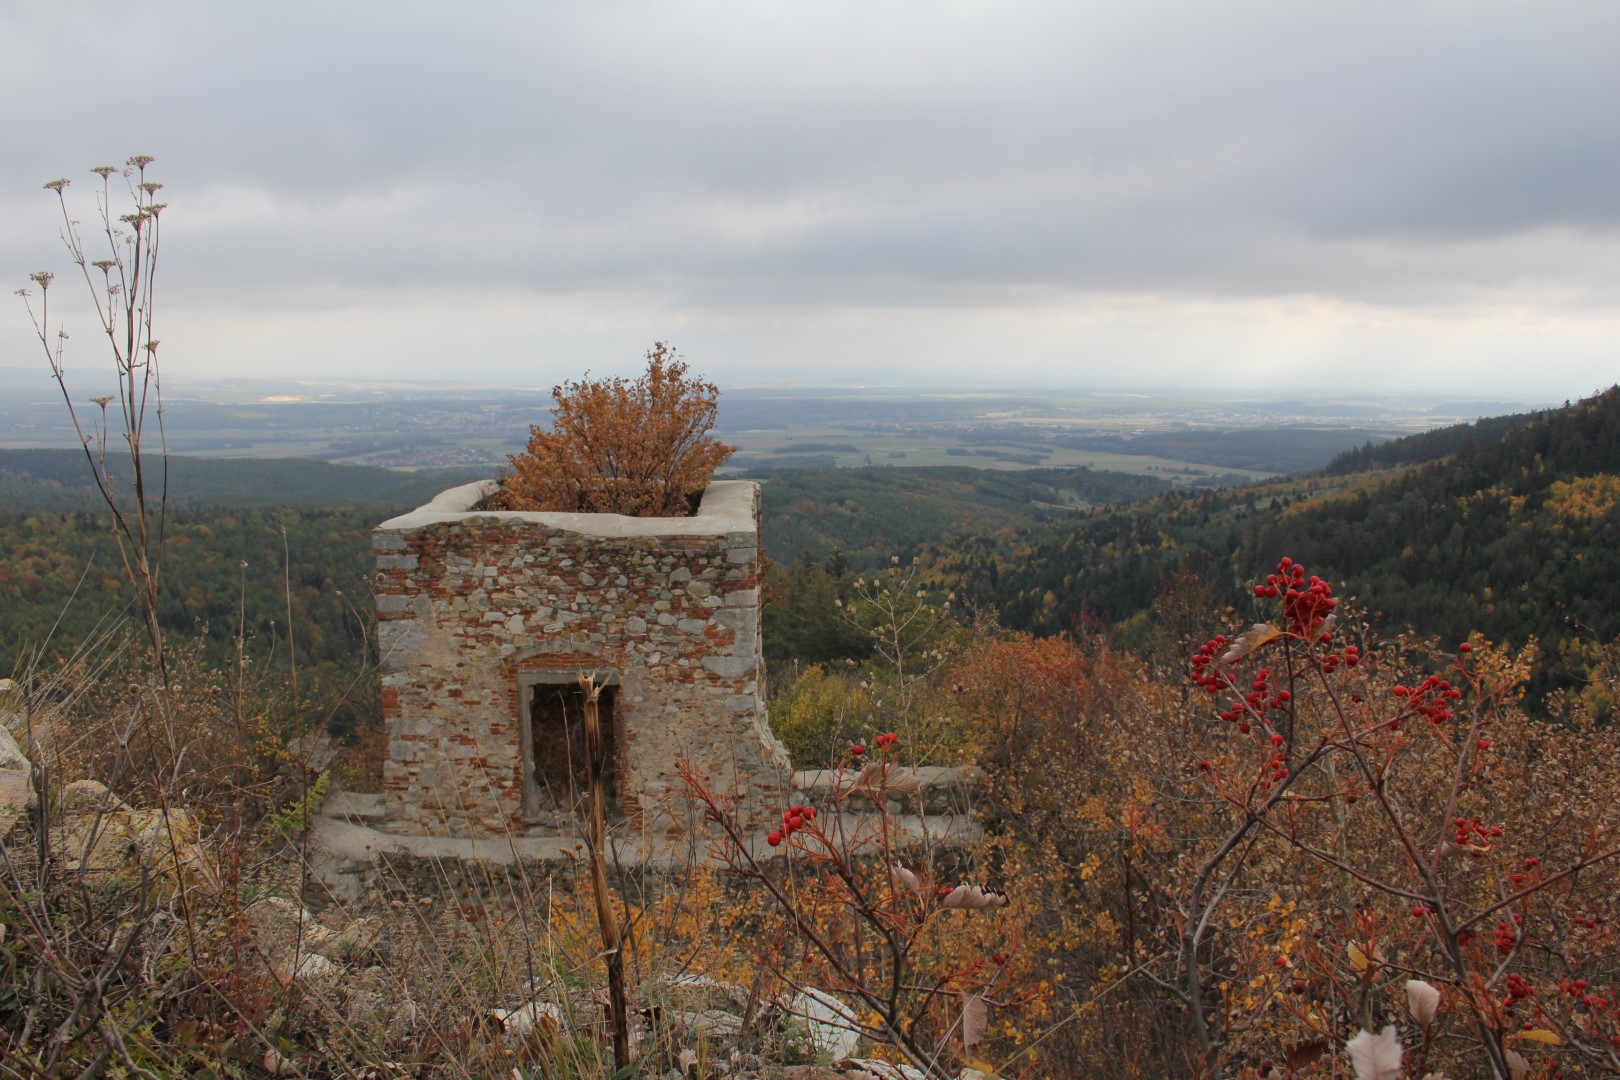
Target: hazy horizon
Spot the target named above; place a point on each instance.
(88, 378)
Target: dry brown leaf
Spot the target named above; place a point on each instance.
(1302, 1055)
(975, 1018)
(1256, 636)
(907, 877)
(880, 778)
(1360, 959)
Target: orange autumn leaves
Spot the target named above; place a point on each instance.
(640, 448)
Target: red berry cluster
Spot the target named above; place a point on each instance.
(1430, 698)
(1577, 989)
(1584, 923)
(1260, 697)
(793, 819)
(1306, 601)
(1213, 681)
(1518, 988)
(883, 743)
(1507, 934)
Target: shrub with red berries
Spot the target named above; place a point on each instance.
(859, 909)
(1325, 769)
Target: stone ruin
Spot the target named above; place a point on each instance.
(486, 620)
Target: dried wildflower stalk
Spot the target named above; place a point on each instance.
(123, 297)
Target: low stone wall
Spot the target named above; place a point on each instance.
(476, 608)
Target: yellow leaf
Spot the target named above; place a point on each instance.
(1540, 1035)
(1359, 960)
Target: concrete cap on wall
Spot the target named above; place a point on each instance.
(727, 507)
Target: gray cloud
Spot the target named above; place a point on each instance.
(725, 157)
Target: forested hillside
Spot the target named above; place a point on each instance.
(874, 514)
(1513, 536)
(61, 480)
(246, 541)
(1427, 446)
(224, 571)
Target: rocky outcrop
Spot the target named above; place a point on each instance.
(13, 713)
(16, 773)
(99, 833)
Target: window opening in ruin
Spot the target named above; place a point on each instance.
(558, 767)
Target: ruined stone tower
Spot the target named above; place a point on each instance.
(488, 618)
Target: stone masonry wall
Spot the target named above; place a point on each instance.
(467, 603)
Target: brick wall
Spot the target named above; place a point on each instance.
(473, 607)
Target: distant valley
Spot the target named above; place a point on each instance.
(1203, 441)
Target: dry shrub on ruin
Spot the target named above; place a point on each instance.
(640, 448)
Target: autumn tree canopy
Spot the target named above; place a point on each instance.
(619, 447)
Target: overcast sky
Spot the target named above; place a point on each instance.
(1401, 197)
